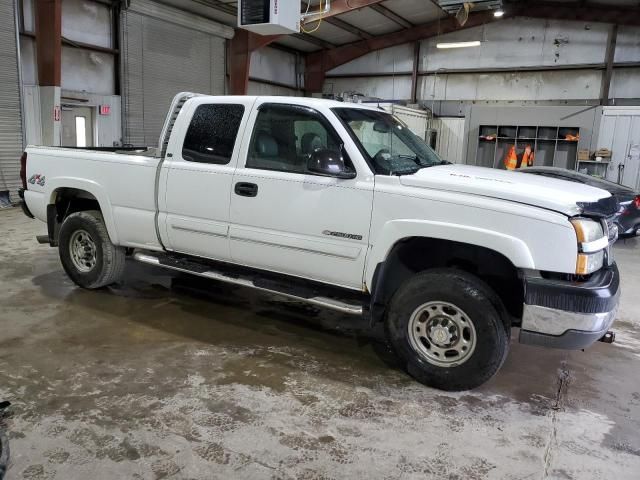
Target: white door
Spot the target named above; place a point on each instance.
(284, 218)
(77, 126)
(194, 201)
(620, 133)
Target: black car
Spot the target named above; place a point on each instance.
(628, 217)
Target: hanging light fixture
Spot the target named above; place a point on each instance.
(474, 43)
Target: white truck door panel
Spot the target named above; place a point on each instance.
(200, 163)
(298, 223)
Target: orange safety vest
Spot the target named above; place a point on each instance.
(511, 159)
(527, 157)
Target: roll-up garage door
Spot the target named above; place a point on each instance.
(10, 111)
(166, 51)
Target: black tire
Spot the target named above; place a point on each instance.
(4, 454)
(109, 259)
(471, 296)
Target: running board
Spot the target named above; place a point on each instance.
(255, 283)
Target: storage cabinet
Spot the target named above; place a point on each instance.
(552, 146)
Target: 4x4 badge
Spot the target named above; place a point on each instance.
(37, 178)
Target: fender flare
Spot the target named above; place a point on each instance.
(94, 189)
(394, 231)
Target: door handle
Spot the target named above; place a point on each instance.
(245, 189)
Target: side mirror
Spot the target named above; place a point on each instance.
(329, 163)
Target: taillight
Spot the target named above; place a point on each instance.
(23, 170)
(636, 201)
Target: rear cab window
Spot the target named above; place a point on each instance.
(212, 133)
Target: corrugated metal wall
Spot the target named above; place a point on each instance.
(565, 59)
(10, 111)
(165, 51)
(620, 133)
(450, 137)
(415, 119)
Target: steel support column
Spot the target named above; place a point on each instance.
(608, 73)
(48, 15)
(414, 72)
(241, 46)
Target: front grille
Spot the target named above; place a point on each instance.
(611, 230)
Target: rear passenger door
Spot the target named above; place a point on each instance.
(288, 220)
(198, 170)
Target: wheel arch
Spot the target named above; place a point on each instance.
(67, 196)
(406, 257)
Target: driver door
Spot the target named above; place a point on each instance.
(284, 218)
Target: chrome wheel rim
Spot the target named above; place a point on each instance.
(442, 334)
(83, 251)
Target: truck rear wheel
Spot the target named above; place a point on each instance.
(86, 251)
(446, 328)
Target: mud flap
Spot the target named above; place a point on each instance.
(5, 200)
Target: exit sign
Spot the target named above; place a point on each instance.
(104, 109)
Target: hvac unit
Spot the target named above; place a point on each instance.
(269, 17)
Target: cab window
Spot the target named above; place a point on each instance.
(212, 133)
(285, 136)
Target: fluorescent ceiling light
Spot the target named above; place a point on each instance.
(475, 43)
(498, 13)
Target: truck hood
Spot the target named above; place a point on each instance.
(558, 195)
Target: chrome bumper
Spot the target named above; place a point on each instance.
(570, 315)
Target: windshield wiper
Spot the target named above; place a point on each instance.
(437, 164)
(408, 171)
(419, 161)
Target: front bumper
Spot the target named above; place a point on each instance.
(569, 315)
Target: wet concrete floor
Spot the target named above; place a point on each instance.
(172, 377)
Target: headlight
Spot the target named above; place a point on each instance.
(587, 230)
(591, 244)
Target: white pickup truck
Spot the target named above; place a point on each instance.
(341, 206)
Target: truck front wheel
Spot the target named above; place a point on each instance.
(445, 326)
(86, 251)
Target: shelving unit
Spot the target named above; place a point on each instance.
(550, 146)
(593, 167)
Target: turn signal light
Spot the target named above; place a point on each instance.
(589, 263)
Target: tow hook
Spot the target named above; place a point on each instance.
(608, 337)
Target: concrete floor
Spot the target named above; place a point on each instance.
(173, 377)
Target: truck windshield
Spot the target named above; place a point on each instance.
(392, 148)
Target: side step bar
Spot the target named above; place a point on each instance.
(246, 281)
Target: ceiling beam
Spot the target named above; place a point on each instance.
(437, 4)
(348, 27)
(381, 9)
(318, 42)
(330, 17)
(578, 11)
(318, 63)
(340, 6)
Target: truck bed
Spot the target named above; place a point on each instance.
(127, 150)
(122, 181)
